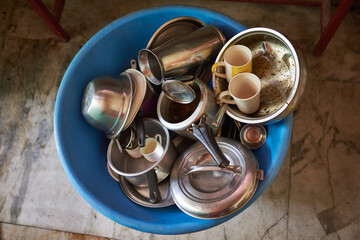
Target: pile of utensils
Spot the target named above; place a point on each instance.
(176, 140)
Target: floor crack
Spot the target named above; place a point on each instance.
(273, 225)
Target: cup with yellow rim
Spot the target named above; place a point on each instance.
(237, 59)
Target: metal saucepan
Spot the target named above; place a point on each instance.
(132, 138)
(180, 117)
(203, 190)
(139, 171)
(193, 120)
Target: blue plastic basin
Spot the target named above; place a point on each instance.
(82, 149)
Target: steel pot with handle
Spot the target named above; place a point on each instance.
(194, 120)
(202, 189)
(180, 117)
(139, 171)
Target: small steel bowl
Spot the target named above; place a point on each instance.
(253, 136)
(106, 103)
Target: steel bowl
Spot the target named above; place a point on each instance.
(282, 69)
(106, 103)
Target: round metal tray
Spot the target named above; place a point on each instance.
(174, 28)
(141, 195)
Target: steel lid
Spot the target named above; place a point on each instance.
(213, 194)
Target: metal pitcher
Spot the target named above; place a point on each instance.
(181, 55)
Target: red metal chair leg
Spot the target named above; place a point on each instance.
(333, 24)
(58, 8)
(52, 20)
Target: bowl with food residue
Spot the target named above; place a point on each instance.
(281, 68)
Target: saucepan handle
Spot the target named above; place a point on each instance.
(204, 134)
(140, 130)
(154, 192)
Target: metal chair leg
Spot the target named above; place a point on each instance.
(333, 24)
(52, 20)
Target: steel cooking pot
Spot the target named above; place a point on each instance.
(179, 117)
(193, 120)
(139, 171)
(203, 190)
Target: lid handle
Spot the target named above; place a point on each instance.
(204, 134)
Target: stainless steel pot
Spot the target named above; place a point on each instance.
(280, 53)
(194, 120)
(139, 171)
(203, 190)
(179, 117)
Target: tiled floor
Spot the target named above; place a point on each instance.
(315, 195)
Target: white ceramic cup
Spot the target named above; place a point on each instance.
(237, 59)
(244, 89)
(153, 150)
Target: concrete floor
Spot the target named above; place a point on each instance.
(315, 195)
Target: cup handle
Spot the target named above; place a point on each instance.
(158, 138)
(218, 64)
(133, 63)
(223, 96)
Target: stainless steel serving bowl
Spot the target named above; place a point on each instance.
(106, 103)
(282, 69)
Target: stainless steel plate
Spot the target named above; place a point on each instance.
(173, 29)
(140, 195)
